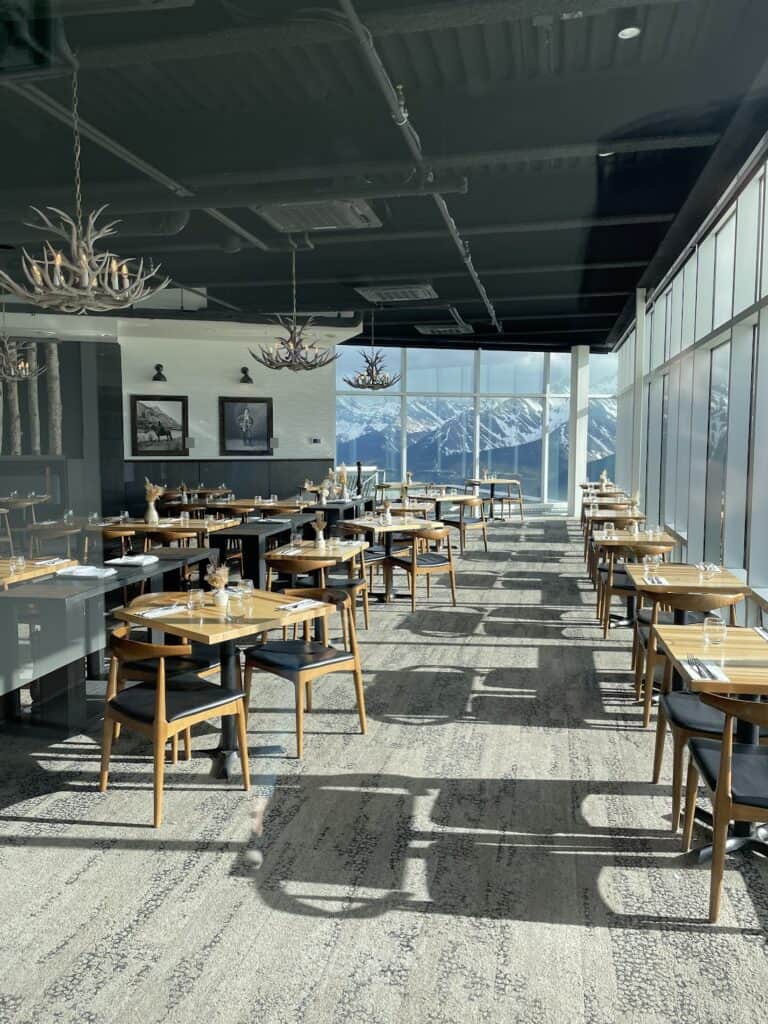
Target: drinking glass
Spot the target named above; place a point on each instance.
(273, 497)
(125, 514)
(654, 530)
(715, 630)
(246, 587)
(68, 515)
(184, 517)
(632, 529)
(257, 498)
(608, 529)
(20, 563)
(93, 517)
(195, 600)
(12, 566)
(235, 607)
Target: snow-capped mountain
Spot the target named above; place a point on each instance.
(441, 435)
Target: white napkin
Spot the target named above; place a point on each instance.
(50, 561)
(291, 551)
(160, 612)
(656, 581)
(133, 560)
(300, 606)
(47, 522)
(277, 519)
(716, 671)
(87, 571)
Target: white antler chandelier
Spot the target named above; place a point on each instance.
(373, 377)
(81, 280)
(293, 352)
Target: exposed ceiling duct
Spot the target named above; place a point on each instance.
(323, 215)
(160, 225)
(396, 292)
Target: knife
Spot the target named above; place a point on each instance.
(704, 670)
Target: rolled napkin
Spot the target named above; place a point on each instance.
(702, 669)
(159, 612)
(49, 561)
(300, 606)
(87, 571)
(133, 560)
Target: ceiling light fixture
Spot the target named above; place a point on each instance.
(293, 352)
(14, 358)
(629, 24)
(630, 32)
(373, 377)
(81, 280)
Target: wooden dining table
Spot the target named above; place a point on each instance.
(212, 625)
(399, 524)
(34, 569)
(333, 550)
(743, 659)
(682, 578)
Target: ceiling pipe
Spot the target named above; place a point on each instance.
(396, 103)
(159, 225)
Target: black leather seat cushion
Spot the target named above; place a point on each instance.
(139, 701)
(618, 570)
(374, 554)
(686, 711)
(749, 781)
(174, 666)
(644, 615)
(425, 559)
(289, 657)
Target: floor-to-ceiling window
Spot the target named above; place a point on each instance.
(456, 413)
(601, 422)
(717, 447)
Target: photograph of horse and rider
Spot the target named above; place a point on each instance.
(159, 425)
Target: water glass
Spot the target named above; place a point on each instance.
(715, 630)
(12, 566)
(68, 515)
(93, 517)
(184, 517)
(21, 563)
(235, 607)
(654, 530)
(195, 600)
(257, 498)
(273, 497)
(246, 587)
(608, 529)
(125, 514)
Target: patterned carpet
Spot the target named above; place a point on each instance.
(491, 852)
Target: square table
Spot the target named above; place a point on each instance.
(35, 569)
(685, 579)
(254, 537)
(743, 658)
(400, 524)
(212, 625)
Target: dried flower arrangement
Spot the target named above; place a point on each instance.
(152, 491)
(217, 576)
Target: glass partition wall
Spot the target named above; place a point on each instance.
(456, 413)
(703, 386)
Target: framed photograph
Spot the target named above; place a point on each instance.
(159, 425)
(245, 426)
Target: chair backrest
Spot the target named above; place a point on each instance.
(117, 533)
(472, 503)
(124, 649)
(298, 566)
(704, 602)
(171, 535)
(340, 600)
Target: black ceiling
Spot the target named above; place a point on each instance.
(221, 106)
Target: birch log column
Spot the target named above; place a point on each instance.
(14, 418)
(33, 401)
(53, 392)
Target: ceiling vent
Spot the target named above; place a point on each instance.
(396, 292)
(446, 328)
(319, 215)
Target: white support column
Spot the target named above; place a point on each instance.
(637, 392)
(476, 416)
(403, 414)
(577, 433)
(545, 433)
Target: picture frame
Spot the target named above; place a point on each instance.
(159, 425)
(245, 426)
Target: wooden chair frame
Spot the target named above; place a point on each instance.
(123, 651)
(414, 570)
(464, 524)
(724, 808)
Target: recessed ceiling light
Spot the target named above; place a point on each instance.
(630, 32)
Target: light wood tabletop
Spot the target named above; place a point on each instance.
(34, 569)
(332, 550)
(165, 523)
(607, 515)
(399, 485)
(401, 524)
(625, 539)
(212, 625)
(478, 482)
(400, 509)
(686, 579)
(742, 657)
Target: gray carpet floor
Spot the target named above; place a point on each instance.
(492, 851)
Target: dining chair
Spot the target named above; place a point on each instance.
(736, 774)
(6, 534)
(680, 710)
(613, 580)
(355, 583)
(163, 709)
(301, 662)
(513, 498)
(428, 563)
(122, 534)
(467, 523)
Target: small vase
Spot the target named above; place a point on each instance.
(220, 598)
(150, 515)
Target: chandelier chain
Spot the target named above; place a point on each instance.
(76, 148)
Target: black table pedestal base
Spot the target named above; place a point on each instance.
(225, 764)
(741, 836)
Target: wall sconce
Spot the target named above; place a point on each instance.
(245, 377)
(159, 375)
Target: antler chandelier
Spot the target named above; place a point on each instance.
(373, 377)
(81, 280)
(14, 360)
(293, 352)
